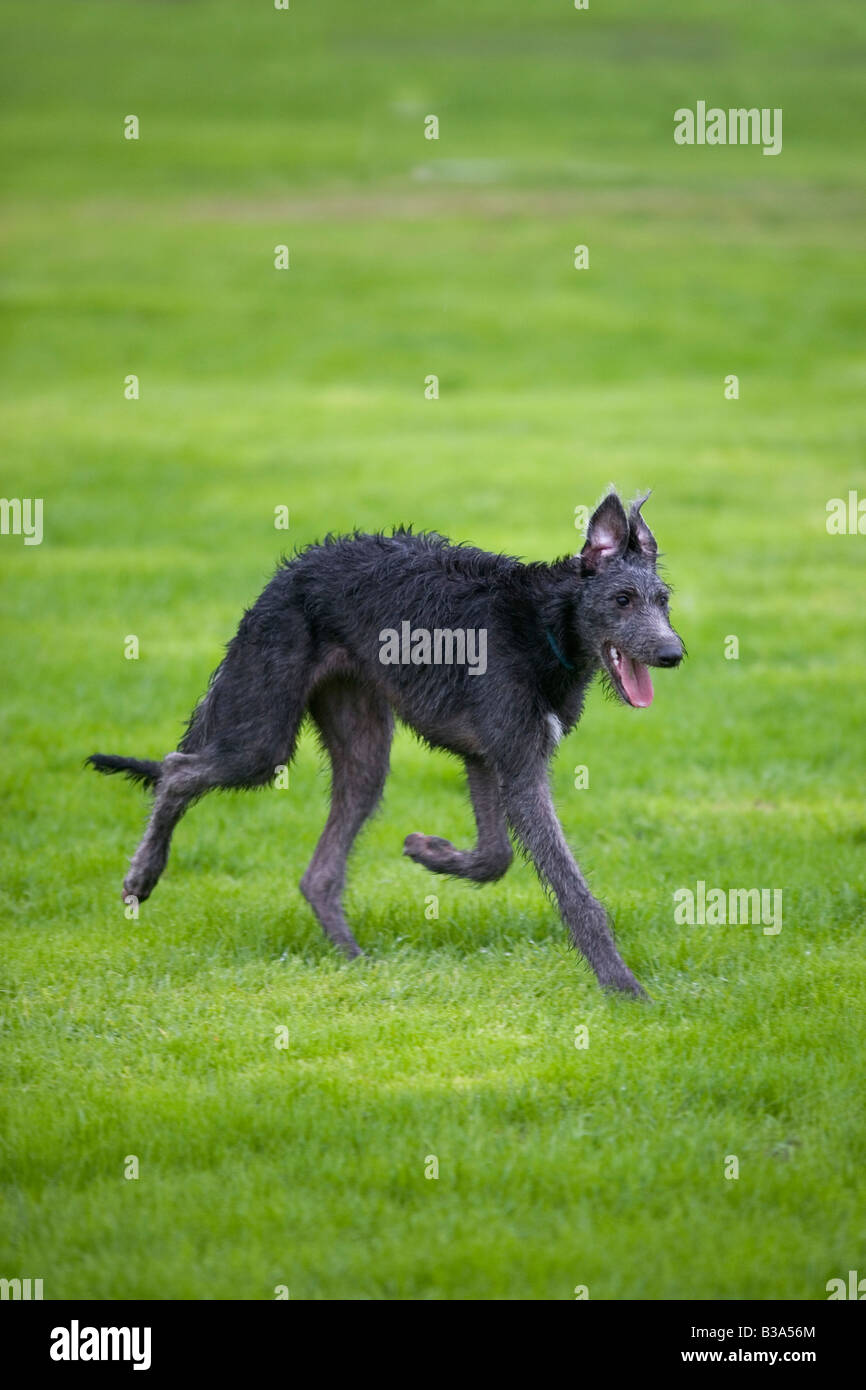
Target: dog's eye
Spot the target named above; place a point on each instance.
(623, 600)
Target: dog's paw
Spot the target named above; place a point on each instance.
(430, 850)
(623, 982)
(135, 886)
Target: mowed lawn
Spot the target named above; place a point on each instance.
(305, 1165)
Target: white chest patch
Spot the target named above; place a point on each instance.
(555, 728)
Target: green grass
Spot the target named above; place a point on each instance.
(455, 1037)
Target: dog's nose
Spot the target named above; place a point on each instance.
(671, 655)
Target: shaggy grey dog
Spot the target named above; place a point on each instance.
(480, 654)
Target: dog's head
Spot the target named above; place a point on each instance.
(623, 613)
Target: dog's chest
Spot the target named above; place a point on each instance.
(566, 711)
(555, 729)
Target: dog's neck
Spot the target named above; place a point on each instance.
(554, 647)
(564, 663)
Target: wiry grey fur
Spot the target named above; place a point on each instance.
(311, 644)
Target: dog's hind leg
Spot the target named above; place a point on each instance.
(247, 744)
(356, 727)
(181, 780)
(492, 854)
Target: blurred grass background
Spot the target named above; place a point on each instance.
(305, 388)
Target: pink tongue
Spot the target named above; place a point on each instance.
(636, 682)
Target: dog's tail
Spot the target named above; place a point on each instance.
(136, 769)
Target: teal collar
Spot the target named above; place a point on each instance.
(555, 649)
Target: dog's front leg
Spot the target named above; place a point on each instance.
(531, 814)
(491, 856)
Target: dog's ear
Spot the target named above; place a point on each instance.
(640, 537)
(607, 534)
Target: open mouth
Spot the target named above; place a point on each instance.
(630, 678)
